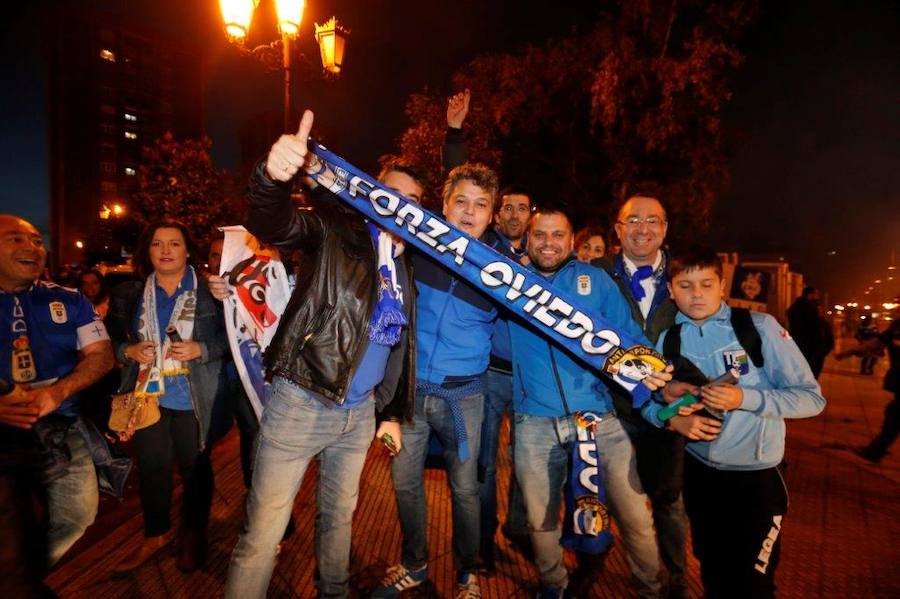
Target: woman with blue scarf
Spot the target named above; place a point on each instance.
(169, 335)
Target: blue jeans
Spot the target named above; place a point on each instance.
(408, 473)
(542, 449)
(296, 428)
(497, 401)
(71, 499)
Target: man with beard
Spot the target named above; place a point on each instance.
(550, 389)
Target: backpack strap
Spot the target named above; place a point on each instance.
(672, 342)
(685, 370)
(747, 335)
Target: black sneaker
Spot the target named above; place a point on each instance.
(486, 557)
(868, 454)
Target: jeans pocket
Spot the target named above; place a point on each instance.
(289, 400)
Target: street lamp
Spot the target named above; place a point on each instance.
(331, 37)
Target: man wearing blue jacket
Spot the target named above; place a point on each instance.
(453, 340)
(734, 493)
(549, 388)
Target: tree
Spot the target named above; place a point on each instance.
(637, 96)
(178, 180)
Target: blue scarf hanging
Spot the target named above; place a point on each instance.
(387, 318)
(586, 526)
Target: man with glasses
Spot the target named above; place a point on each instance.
(640, 274)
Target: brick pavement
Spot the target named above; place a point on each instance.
(840, 537)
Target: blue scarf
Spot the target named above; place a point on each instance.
(586, 527)
(388, 318)
(551, 311)
(642, 272)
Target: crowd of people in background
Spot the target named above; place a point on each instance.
(380, 342)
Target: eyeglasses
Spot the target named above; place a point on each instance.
(650, 221)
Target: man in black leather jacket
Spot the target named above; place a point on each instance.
(329, 375)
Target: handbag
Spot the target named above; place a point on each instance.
(130, 413)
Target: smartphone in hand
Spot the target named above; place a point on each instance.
(388, 441)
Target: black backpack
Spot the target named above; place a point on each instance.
(744, 329)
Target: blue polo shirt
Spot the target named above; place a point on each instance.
(53, 323)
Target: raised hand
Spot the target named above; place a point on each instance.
(457, 109)
(288, 154)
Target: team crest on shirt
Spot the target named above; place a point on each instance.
(58, 312)
(736, 359)
(584, 284)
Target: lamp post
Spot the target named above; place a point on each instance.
(331, 37)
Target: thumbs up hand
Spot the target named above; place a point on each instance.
(290, 153)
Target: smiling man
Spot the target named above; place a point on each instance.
(552, 392)
(640, 274)
(454, 325)
(52, 346)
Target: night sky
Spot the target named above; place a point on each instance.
(814, 124)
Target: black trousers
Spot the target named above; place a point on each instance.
(889, 429)
(175, 438)
(23, 534)
(660, 466)
(239, 408)
(736, 519)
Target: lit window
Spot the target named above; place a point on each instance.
(130, 117)
(130, 135)
(130, 171)
(108, 55)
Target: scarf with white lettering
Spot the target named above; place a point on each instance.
(552, 312)
(151, 377)
(586, 526)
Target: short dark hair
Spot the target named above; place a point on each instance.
(410, 169)
(514, 189)
(694, 258)
(809, 290)
(480, 174)
(142, 264)
(550, 209)
(642, 189)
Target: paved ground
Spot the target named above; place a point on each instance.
(841, 537)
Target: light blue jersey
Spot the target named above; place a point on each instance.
(752, 436)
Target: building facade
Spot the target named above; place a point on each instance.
(115, 86)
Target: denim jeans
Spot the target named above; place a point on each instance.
(72, 499)
(497, 402)
(296, 428)
(542, 449)
(408, 473)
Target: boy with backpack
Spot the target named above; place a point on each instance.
(734, 494)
